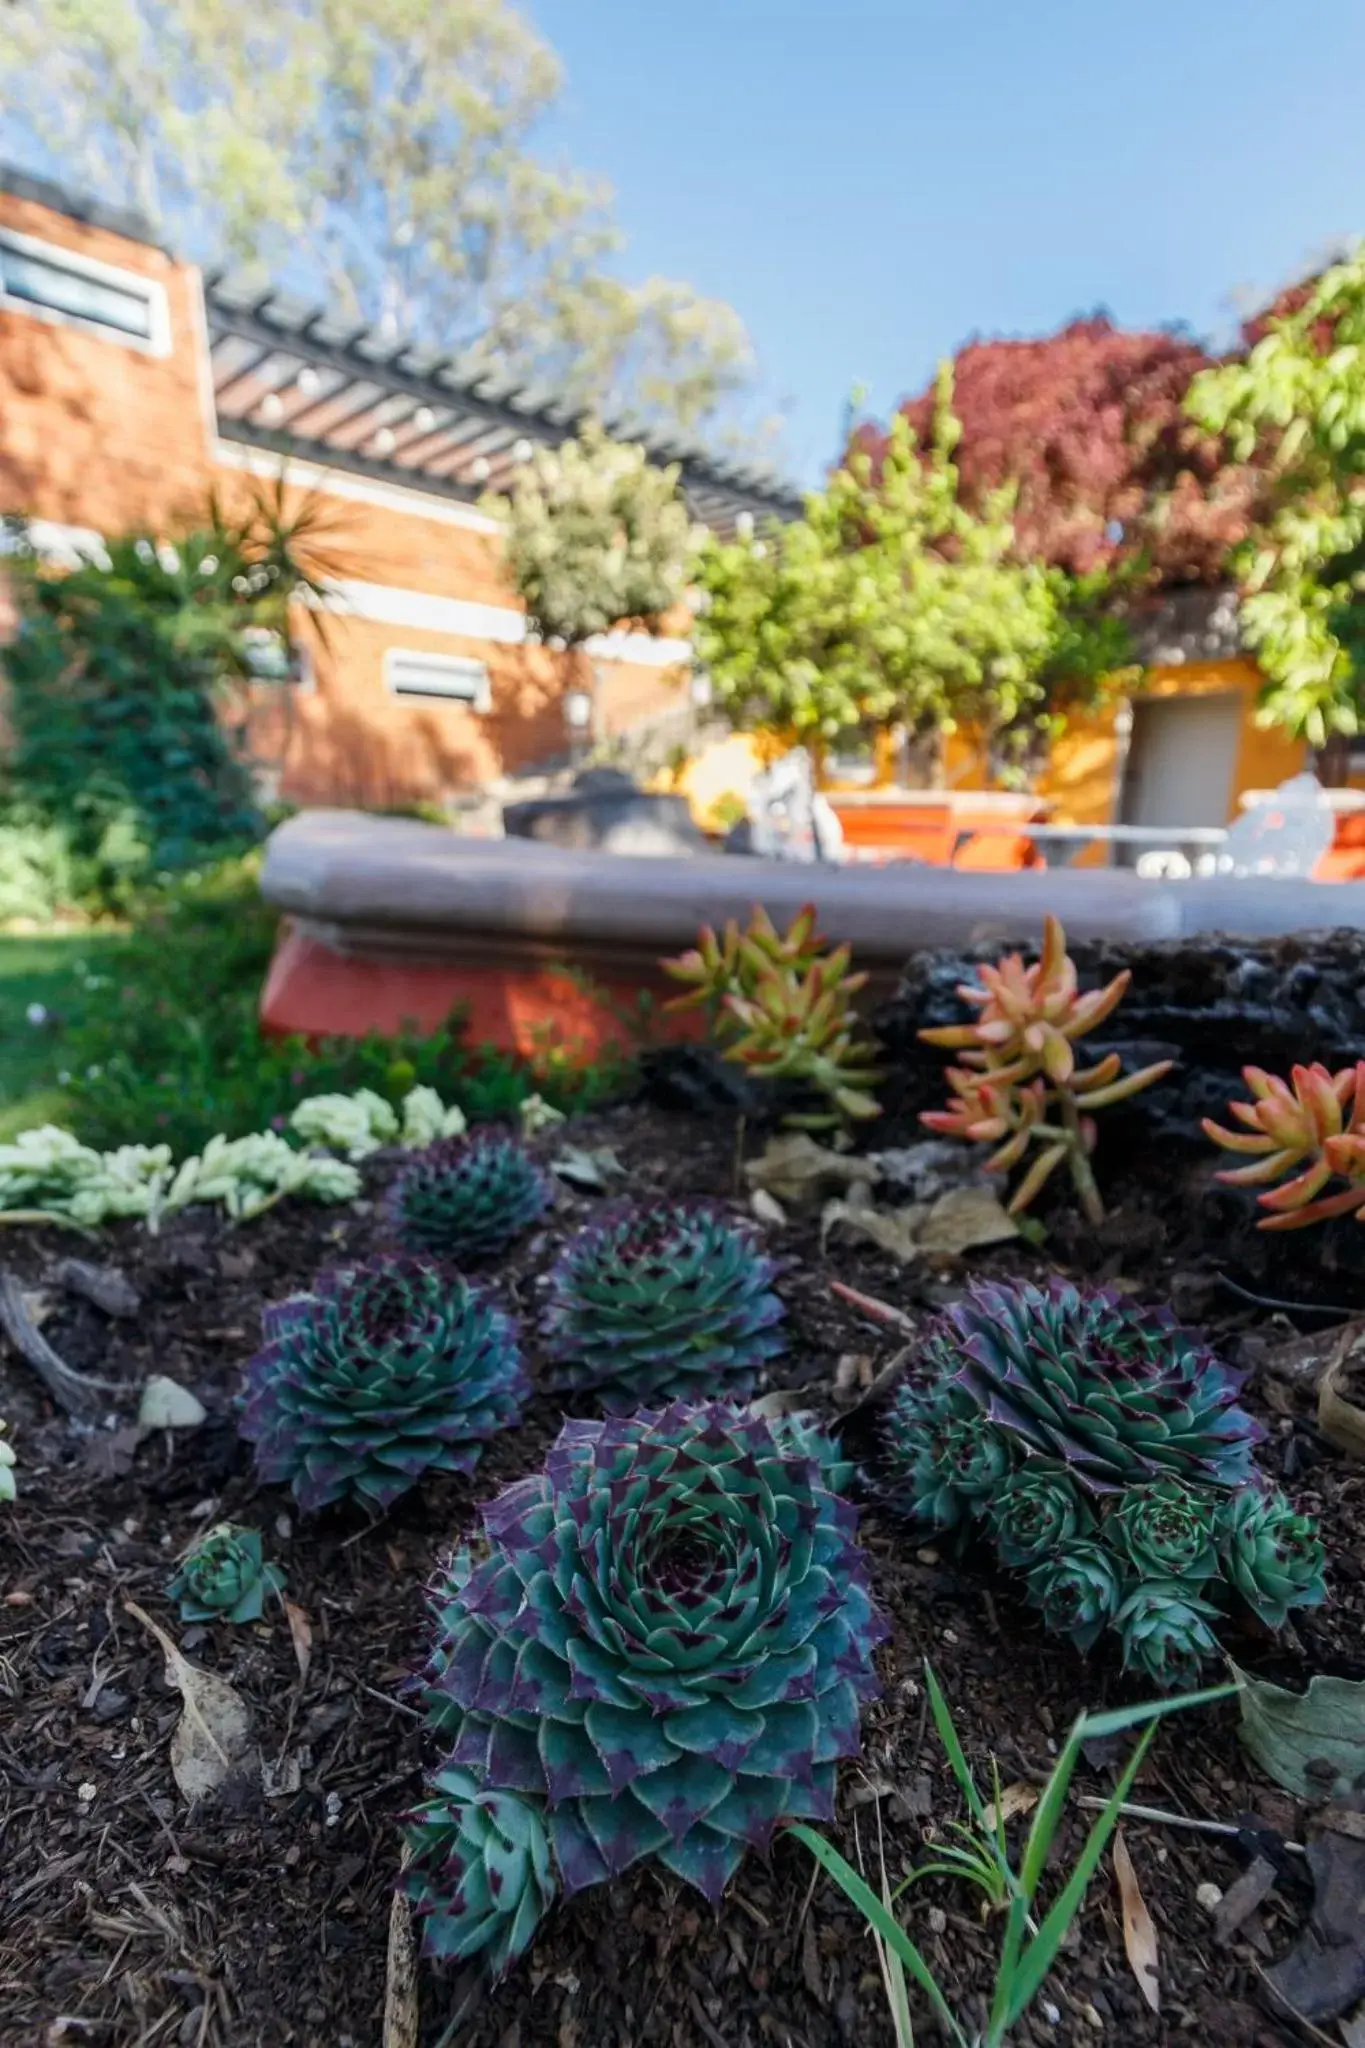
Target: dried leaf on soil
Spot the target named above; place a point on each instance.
(797, 1170)
(1324, 1973)
(1342, 1421)
(301, 1635)
(965, 1217)
(1139, 1932)
(892, 1230)
(587, 1170)
(1312, 1743)
(402, 2017)
(1014, 1800)
(212, 1739)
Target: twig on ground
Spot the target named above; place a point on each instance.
(81, 1397)
(1177, 1820)
(1325, 1311)
(868, 1305)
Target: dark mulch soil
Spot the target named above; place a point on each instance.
(129, 1920)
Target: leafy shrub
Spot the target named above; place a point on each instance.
(662, 1304)
(1102, 1449)
(663, 1654)
(174, 1050)
(112, 679)
(379, 1374)
(780, 1004)
(466, 1198)
(1019, 1085)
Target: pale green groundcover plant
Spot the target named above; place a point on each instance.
(360, 1124)
(47, 1175)
(6, 1467)
(1028, 1949)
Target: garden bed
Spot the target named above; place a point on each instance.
(129, 1919)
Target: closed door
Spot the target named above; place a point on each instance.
(1181, 759)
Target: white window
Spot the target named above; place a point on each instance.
(37, 277)
(456, 677)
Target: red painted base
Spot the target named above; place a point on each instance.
(526, 1006)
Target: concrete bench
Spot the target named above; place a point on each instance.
(390, 922)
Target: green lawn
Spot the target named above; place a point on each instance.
(52, 970)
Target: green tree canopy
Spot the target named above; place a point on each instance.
(1297, 400)
(595, 534)
(378, 152)
(890, 603)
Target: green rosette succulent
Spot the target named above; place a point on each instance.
(225, 1577)
(666, 1647)
(1114, 1392)
(1034, 1514)
(1272, 1555)
(467, 1198)
(382, 1373)
(481, 1875)
(1166, 1635)
(666, 1303)
(1166, 1531)
(1078, 1592)
(943, 1461)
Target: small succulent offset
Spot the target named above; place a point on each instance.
(1303, 1133)
(780, 1004)
(467, 1198)
(384, 1372)
(480, 1870)
(663, 1654)
(7, 1464)
(225, 1577)
(1018, 1085)
(1102, 1450)
(664, 1303)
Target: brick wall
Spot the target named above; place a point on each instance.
(97, 434)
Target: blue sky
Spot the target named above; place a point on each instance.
(872, 181)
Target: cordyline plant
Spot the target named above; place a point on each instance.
(384, 1372)
(1101, 1450)
(1303, 1133)
(662, 1304)
(225, 1577)
(780, 1005)
(467, 1198)
(1018, 1085)
(663, 1654)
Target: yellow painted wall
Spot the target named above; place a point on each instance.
(1081, 780)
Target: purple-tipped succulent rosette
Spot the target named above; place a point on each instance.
(467, 1198)
(386, 1371)
(664, 1302)
(667, 1648)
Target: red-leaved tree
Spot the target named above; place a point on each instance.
(1089, 423)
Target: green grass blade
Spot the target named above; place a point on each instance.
(952, 1748)
(1119, 1719)
(1048, 1813)
(1041, 1952)
(861, 1894)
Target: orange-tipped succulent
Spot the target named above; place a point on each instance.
(781, 1005)
(1018, 1085)
(1303, 1133)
